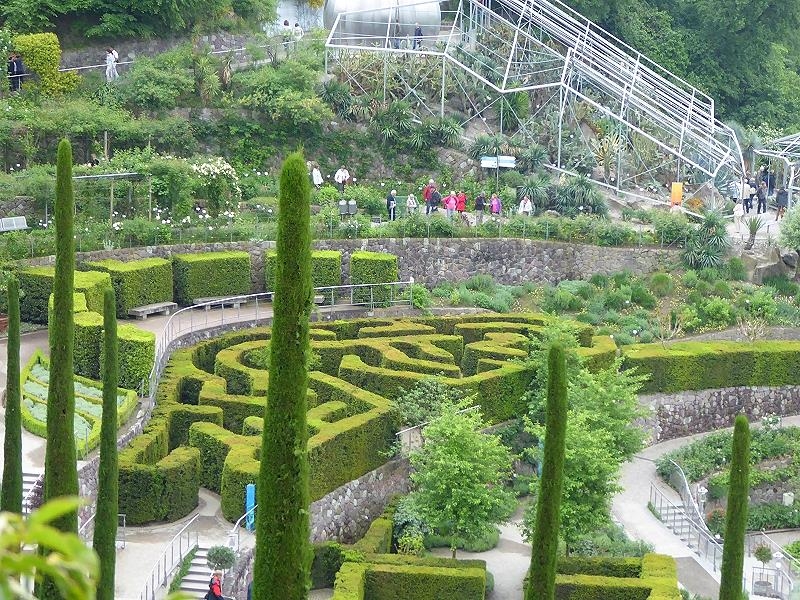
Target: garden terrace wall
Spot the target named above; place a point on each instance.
(432, 261)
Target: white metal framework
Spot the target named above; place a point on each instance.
(539, 71)
(787, 151)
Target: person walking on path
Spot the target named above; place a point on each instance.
(761, 194)
(14, 71)
(748, 192)
(215, 587)
(495, 204)
(112, 58)
(341, 177)
(525, 207)
(738, 215)
(782, 201)
(432, 205)
(461, 203)
(480, 207)
(316, 176)
(391, 204)
(411, 204)
(450, 204)
(417, 45)
(297, 34)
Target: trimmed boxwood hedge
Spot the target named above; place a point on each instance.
(326, 268)
(704, 365)
(210, 274)
(138, 282)
(37, 284)
(373, 267)
(137, 352)
(88, 341)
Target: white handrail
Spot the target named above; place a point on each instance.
(233, 536)
(160, 573)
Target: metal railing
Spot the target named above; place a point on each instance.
(183, 543)
(782, 573)
(86, 530)
(694, 535)
(251, 308)
(679, 483)
(233, 535)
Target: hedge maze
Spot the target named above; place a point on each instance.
(207, 424)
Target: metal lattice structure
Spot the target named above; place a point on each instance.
(787, 151)
(540, 72)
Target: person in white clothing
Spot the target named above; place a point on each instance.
(738, 215)
(111, 64)
(525, 207)
(411, 204)
(341, 177)
(316, 176)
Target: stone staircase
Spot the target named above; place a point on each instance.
(28, 481)
(195, 583)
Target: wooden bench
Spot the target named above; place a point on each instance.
(13, 224)
(219, 301)
(142, 312)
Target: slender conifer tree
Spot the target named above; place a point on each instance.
(11, 491)
(732, 572)
(542, 580)
(283, 553)
(105, 522)
(60, 466)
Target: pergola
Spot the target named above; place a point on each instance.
(565, 64)
(787, 151)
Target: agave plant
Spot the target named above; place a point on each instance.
(579, 194)
(537, 188)
(449, 132)
(754, 225)
(606, 150)
(532, 158)
(337, 95)
(706, 246)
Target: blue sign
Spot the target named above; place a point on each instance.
(250, 504)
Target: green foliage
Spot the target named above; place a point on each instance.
(706, 245)
(220, 558)
(424, 402)
(11, 490)
(106, 519)
(283, 559)
(326, 268)
(38, 284)
(42, 55)
(661, 284)
(182, 571)
(137, 349)
(486, 541)
(369, 268)
(705, 365)
(736, 519)
(210, 274)
(138, 282)
(60, 469)
(458, 476)
(548, 504)
(69, 566)
(670, 229)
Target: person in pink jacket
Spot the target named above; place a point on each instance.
(495, 205)
(450, 204)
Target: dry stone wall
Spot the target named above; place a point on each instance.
(432, 261)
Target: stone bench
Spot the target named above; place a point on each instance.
(142, 312)
(220, 301)
(318, 298)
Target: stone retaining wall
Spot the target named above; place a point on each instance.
(431, 261)
(684, 413)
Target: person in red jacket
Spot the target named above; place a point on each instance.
(215, 587)
(428, 190)
(461, 202)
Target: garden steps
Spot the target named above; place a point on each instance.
(29, 479)
(195, 583)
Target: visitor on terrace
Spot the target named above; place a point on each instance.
(391, 205)
(411, 204)
(782, 200)
(341, 177)
(495, 204)
(432, 204)
(461, 203)
(761, 194)
(480, 206)
(450, 204)
(525, 207)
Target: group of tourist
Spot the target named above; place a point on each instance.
(758, 188)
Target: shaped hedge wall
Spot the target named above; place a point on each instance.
(373, 267)
(326, 268)
(37, 283)
(209, 275)
(138, 282)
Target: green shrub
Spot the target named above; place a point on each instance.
(661, 284)
(326, 268)
(487, 541)
(736, 269)
(717, 313)
(369, 268)
(37, 283)
(389, 581)
(137, 350)
(210, 274)
(88, 341)
(782, 285)
(138, 282)
(690, 278)
(42, 55)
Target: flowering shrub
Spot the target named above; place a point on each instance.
(219, 185)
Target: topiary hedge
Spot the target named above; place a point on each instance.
(37, 283)
(705, 365)
(137, 352)
(88, 341)
(326, 268)
(138, 282)
(210, 274)
(388, 581)
(42, 55)
(373, 267)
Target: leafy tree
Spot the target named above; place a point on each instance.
(60, 469)
(283, 555)
(425, 400)
(541, 585)
(459, 475)
(732, 569)
(11, 491)
(105, 528)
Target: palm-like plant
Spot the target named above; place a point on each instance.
(579, 194)
(337, 95)
(754, 225)
(605, 152)
(706, 246)
(532, 158)
(537, 189)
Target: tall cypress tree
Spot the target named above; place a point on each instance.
(11, 491)
(60, 467)
(736, 515)
(283, 553)
(542, 579)
(105, 523)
